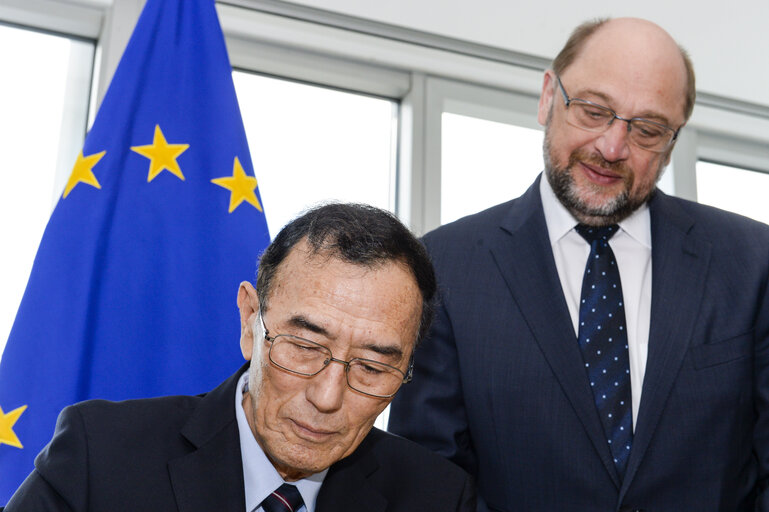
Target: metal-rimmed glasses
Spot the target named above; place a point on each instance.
(307, 358)
(644, 133)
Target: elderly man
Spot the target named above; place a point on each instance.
(343, 294)
(602, 346)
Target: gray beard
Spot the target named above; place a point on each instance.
(610, 212)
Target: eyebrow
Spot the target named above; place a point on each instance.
(302, 322)
(647, 114)
(385, 350)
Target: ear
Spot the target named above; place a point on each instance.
(546, 97)
(248, 304)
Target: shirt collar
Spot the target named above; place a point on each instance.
(560, 221)
(259, 475)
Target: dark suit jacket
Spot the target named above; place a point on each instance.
(183, 454)
(500, 388)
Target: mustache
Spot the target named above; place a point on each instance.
(583, 156)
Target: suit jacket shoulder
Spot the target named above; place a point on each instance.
(170, 453)
(390, 473)
(472, 226)
(710, 222)
(731, 240)
(478, 233)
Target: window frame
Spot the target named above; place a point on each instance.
(74, 115)
(424, 72)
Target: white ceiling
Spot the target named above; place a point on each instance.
(729, 42)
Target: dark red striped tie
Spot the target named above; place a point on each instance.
(285, 498)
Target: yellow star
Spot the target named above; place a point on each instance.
(7, 421)
(162, 155)
(241, 186)
(83, 172)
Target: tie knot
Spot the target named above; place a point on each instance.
(593, 233)
(285, 498)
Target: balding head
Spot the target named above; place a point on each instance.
(638, 50)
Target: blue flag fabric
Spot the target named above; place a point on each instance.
(133, 290)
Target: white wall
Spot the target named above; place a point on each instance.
(728, 41)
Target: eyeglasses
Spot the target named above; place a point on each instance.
(305, 357)
(644, 133)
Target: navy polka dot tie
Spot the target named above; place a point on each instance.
(603, 340)
(285, 498)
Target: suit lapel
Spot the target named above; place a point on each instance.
(525, 260)
(211, 476)
(680, 261)
(346, 486)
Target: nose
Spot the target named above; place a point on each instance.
(613, 144)
(326, 390)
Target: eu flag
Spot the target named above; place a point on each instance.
(133, 289)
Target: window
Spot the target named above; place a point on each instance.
(485, 163)
(482, 147)
(42, 129)
(732, 188)
(311, 144)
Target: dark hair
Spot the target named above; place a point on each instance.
(355, 233)
(582, 33)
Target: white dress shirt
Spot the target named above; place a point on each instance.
(259, 475)
(632, 249)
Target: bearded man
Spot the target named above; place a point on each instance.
(599, 344)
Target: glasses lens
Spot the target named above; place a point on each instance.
(589, 117)
(374, 378)
(298, 355)
(649, 135)
(645, 134)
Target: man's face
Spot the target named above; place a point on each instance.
(305, 424)
(602, 178)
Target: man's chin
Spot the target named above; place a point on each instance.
(611, 211)
(299, 464)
